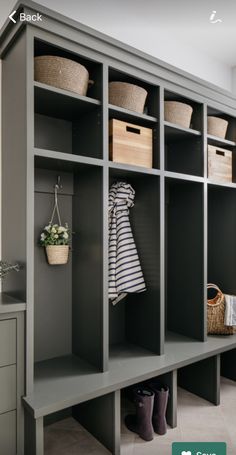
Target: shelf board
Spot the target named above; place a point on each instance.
(187, 177)
(132, 168)
(219, 142)
(55, 102)
(226, 185)
(125, 114)
(50, 158)
(66, 381)
(176, 132)
(9, 304)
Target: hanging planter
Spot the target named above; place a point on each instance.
(57, 254)
(55, 237)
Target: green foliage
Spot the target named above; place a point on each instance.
(53, 234)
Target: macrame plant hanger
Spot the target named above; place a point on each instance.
(56, 210)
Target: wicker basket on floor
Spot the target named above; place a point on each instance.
(178, 113)
(216, 314)
(128, 96)
(62, 73)
(217, 126)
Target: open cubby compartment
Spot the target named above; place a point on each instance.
(221, 237)
(128, 397)
(196, 123)
(184, 258)
(94, 423)
(183, 146)
(94, 68)
(151, 107)
(135, 321)
(231, 129)
(68, 310)
(64, 124)
(136, 124)
(202, 378)
(228, 365)
(183, 153)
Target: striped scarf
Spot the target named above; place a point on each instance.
(125, 274)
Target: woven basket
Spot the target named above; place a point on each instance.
(216, 314)
(61, 73)
(57, 254)
(217, 126)
(178, 113)
(127, 95)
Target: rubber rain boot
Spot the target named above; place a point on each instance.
(161, 393)
(141, 422)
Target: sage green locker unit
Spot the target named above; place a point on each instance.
(80, 350)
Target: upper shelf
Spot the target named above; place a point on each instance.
(125, 114)
(219, 142)
(55, 102)
(175, 132)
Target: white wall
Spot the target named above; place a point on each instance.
(130, 21)
(234, 79)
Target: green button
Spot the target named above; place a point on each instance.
(199, 448)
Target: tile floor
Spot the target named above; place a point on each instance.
(198, 420)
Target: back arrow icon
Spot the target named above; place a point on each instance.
(11, 17)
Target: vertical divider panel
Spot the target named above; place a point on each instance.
(205, 218)
(105, 327)
(30, 214)
(34, 435)
(162, 218)
(170, 379)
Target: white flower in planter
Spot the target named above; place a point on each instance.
(56, 240)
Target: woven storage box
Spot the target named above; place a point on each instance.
(61, 73)
(57, 254)
(128, 96)
(216, 314)
(130, 144)
(217, 126)
(219, 164)
(178, 113)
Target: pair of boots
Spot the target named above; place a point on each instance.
(151, 403)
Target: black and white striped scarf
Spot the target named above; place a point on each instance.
(125, 273)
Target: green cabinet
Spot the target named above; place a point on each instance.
(8, 433)
(11, 379)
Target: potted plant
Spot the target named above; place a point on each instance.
(55, 238)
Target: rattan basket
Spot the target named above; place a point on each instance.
(216, 314)
(178, 113)
(62, 73)
(128, 96)
(217, 126)
(57, 254)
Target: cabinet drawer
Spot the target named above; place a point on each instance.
(7, 342)
(8, 433)
(7, 388)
